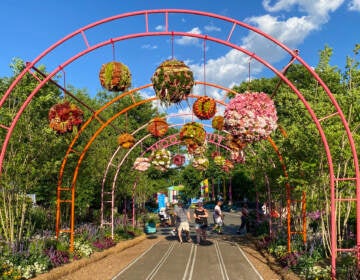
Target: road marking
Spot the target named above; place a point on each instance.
(193, 263)
(221, 262)
(161, 262)
(188, 262)
(134, 261)
(250, 263)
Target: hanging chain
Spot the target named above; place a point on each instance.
(205, 65)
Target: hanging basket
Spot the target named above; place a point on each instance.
(237, 156)
(142, 164)
(178, 160)
(204, 107)
(161, 159)
(65, 117)
(218, 123)
(115, 76)
(200, 163)
(250, 116)
(227, 166)
(126, 140)
(219, 160)
(158, 127)
(172, 81)
(197, 150)
(193, 134)
(235, 143)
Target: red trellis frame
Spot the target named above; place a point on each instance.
(235, 23)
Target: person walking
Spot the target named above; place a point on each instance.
(201, 223)
(218, 217)
(244, 227)
(183, 217)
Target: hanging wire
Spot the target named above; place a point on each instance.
(249, 74)
(205, 65)
(172, 45)
(64, 82)
(113, 48)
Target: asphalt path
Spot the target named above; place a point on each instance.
(216, 258)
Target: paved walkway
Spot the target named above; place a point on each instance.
(217, 258)
(168, 259)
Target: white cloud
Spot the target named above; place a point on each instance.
(354, 5)
(149, 47)
(211, 27)
(160, 28)
(187, 40)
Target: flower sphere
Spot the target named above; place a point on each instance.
(250, 116)
(115, 76)
(172, 81)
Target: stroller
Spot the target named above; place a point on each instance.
(164, 217)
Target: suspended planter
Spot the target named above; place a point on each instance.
(250, 116)
(115, 76)
(142, 164)
(65, 117)
(235, 143)
(218, 123)
(172, 81)
(178, 160)
(215, 154)
(158, 127)
(126, 140)
(219, 160)
(237, 156)
(227, 166)
(200, 163)
(196, 150)
(193, 134)
(161, 159)
(204, 107)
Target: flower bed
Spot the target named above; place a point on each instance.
(161, 159)
(193, 133)
(142, 164)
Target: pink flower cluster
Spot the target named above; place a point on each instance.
(251, 116)
(142, 164)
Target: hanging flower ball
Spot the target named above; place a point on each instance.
(200, 163)
(65, 117)
(214, 154)
(227, 166)
(142, 164)
(197, 150)
(115, 76)
(219, 160)
(193, 133)
(204, 107)
(178, 160)
(126, 140)
(235, 143)
(218, 123)
(250, 116)
(161, 159)
(172, 81)
(237, 156)
(158, 127)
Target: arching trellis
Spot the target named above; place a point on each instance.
(144, 15)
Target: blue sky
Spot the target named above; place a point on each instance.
(27, 28)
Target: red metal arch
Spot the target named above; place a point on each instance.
(227, 42)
